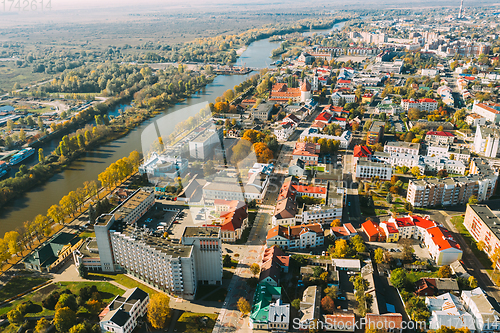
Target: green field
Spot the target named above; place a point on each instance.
(18, 285)
(106, 289)
(190, 322)
(123, 280)
(315, 167)
(11, 74)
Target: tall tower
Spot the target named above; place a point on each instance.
(460, 12)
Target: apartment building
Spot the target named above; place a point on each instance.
(164, 166)
(449, 152)
(402, 147)
(424, 104)
(284, 130)
(122, 314)
(296, 237)
(474, 120)
(366, 169)
(450, 191)
(349, 98)
(345, 138)
(375, 133)
(486, 141)
(172, 267)
(484, 226)
(490, 111)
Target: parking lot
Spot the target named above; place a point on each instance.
(420, 251)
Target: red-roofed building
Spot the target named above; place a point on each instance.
(233, 219)
(389, 322)
(424, 104)
(342, 122)
(324, 117)
(442, 246)
(306, 151)
(340, 321)
(440, 137)
(343, 83)
(312, 191)
(361, 151)
(372, 231)
(490, 111)
(291, 118)
(345, 231)
(296, 237)
(274, 262)
(319, 124)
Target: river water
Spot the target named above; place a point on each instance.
(88, 167)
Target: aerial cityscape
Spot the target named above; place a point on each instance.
(249, 167)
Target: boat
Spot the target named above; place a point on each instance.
(21, 156)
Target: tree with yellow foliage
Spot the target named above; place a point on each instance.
(158, 310)
(244, 306)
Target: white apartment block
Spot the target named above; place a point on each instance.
(402, 147)
(284, 131)
(486, 141)
(490, 111)
(172, 267)
(399, 159)
(345, 138)
(296, 237)
(349, 98)
(474, 120)
(445, 151)
(424, 104)
(202, 145)
(122, 313)
(478, 304)
(134, 207)
(366, 169)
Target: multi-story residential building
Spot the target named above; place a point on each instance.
(366, 169)
(483, 225)
(375, 133)
(474, 120)
(164, 166)
(486, 141)
(122, 314)
(274, 262)
(202, 146)
(402, 147)
(307, 152)
(390, 109)
(166, 265)
(268, 312)
(450, 191)
(284, 212)
(399, 159)
(318, 192)
(490, 111)
(483, 310)
(296, 237)
(424, 104)
(440, 137)
(435, 164)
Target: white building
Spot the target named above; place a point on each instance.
(366, 169)
(439, 137)
(390, 109)
(486, 141)
(202, 145)
(284, 131)
(122, 313)
(478, 304)
(345, 138)
(430, 72)
(399, 159)
(402, 147)
(445, 151)
(424, 104)
(447, 310)
(490, 111)
(172, 267)
(474, 120)
(164, 166)
(349, 98)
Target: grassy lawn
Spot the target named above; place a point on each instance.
(458, 222)
(317, 168)
(190, 322)
(380, 212)
(20, 284)
(107, 291)
(123, 280)
(87, 234)
(413, 277)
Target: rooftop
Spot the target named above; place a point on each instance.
(203, 232)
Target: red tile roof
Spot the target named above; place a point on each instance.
(443, 238)
(370, 228)
(440, 133)
(386, 321)
(362, 151)
(309, 189)
(324, 116)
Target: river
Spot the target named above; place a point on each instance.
(89, 165)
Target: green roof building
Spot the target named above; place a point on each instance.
(53, 253)
(267, 310)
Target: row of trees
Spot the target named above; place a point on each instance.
(117, 172)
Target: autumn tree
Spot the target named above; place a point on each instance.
(244, 306)
(67, 301)
(15, 316)
(42, 325)
(255, 269)
(415, 171)
(336, 223)
(12, 240)
(296, 303)
(378, 255)
(341, 248)
(64, 319)
(327, 304)
(444, 272)
(158, 310)
(399, 278)
(472, 282)
(472, 200)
